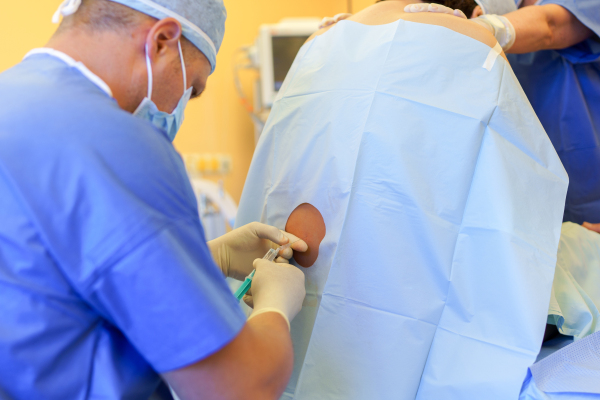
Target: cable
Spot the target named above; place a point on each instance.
(237, 66)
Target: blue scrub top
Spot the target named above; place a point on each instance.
(105, 276)
(564, 89)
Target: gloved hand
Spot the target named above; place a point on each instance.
(330, 21)
(435, 8)
(499, 26)
(276, 288)
(502, 29)
(235, 251)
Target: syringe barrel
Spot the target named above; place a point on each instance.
(271, 255)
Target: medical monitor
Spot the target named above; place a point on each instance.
(278, 44)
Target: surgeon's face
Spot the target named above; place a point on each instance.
(167, 71)
(168, 84)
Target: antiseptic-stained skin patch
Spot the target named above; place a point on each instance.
(306, 222)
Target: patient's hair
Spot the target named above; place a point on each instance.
(466, 6)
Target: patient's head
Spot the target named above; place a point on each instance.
(469, 7)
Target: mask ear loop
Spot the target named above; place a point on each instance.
(65, 9)
(149, 69)
(183, 68)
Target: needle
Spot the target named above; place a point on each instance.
(270, 256)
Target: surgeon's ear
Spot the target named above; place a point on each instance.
(477, 11)
(164, 36)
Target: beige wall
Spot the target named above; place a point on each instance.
(217, 122)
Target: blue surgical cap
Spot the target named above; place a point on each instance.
(203, 21)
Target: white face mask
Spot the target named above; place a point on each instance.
(147, 110)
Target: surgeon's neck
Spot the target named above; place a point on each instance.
(112, 56)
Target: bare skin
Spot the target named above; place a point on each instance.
(306, 222)
(390, 11)
(546, 27)
(119, 60)
(258, 363)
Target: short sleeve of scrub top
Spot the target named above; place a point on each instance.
(167, 298)
(588, 13)
(113, 237)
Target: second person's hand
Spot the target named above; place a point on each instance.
(333, 20)
(498, 25)
(433, 8)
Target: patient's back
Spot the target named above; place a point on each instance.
(442, 199)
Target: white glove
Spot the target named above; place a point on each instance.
(502, 29)
(499, 26)
(435, 8)
(330, 21)
(276, 288)
(235, 251)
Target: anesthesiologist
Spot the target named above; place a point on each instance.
(106, 282)
(560, 73)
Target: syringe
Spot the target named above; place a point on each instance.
(270, 256)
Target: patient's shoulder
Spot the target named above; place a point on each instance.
(388, 12)
(460, 25)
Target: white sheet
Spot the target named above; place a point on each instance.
(443, 200)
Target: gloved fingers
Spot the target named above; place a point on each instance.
(260, 263)
(269, 232)
(435, 8)
(341, 16)
(416, 8)
(297, 245)
(278, 286)
(281, 260)
(460, 14)
(287, 253)
(325, 22)
(256, 263)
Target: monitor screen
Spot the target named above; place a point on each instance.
(285, 49)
